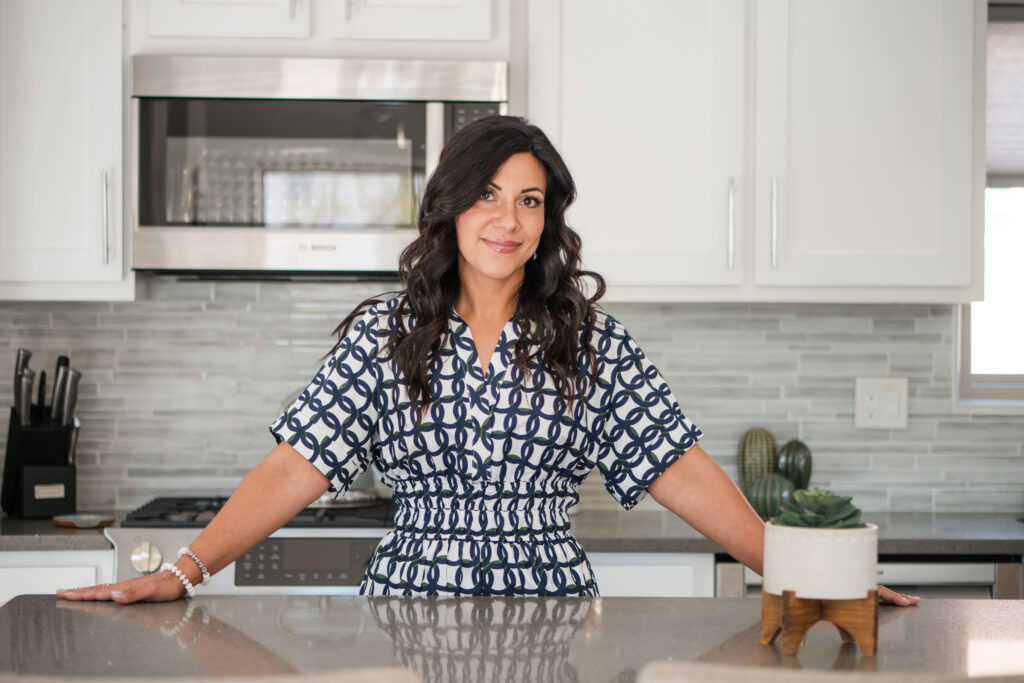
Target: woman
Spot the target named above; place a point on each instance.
(484, 392)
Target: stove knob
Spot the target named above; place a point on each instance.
(146, 558)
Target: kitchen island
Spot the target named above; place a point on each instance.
(481, 639)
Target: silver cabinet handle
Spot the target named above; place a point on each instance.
(732, 223)
(348, 10)
(775, 223)
(105, 186)
(291, 9)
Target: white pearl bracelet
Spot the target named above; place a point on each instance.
(199, 563)
(190, 590)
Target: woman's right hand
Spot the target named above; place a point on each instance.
(161, 586)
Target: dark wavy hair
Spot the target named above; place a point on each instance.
(553, 312)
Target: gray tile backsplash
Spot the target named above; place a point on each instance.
(180, 384)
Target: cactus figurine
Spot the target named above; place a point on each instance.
(795, 463)
(819, 508)
(768, 493)
(757, 456)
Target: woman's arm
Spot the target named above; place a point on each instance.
(270, 495)
(702, 494)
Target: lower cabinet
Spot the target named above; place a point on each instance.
(654, 575)
(44, 571)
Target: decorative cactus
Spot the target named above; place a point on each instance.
(757, 456)
(795, 463)
(819, 508)
(768, 493)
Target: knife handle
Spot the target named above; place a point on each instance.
(28, 378)
(70, 398)
(60, 387)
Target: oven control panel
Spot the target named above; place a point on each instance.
(315, 561)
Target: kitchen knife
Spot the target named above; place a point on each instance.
(28, 378)
(74, 441)
(60, 386)
(20, 363)
(40, 409)
(67, 414)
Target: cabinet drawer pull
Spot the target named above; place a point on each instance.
(105, 225)
(775, 223)
(732, 223)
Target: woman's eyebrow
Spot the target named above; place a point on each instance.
(496, 186)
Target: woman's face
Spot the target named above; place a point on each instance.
(500, 232)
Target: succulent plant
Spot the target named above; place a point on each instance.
(757, 456)
(768, 493)
(795, 463)
(819, 508)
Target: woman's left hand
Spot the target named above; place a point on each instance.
(890, 596)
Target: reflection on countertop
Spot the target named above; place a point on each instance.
(481, 639)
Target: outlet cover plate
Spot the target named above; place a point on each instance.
(881, 403)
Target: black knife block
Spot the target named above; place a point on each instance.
(39, 479)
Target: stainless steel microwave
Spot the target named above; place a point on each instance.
(293, 166)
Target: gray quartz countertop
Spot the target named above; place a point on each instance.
(483, 639)
(44, 534)
(911, 533)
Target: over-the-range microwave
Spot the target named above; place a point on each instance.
(291, 166)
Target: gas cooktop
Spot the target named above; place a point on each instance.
(196, 512)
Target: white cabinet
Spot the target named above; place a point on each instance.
(864, 130)
(61, 104)
(653, 575)
(458, 20)
(653, 132)
(779, 150)
(228, 18)
(411, 19)
(36, 572)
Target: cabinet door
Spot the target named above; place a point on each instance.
(23, 572)
(61, 141)
(654, 575)
(411, 19)
(228, 18)
(651, 101)
(865, 173)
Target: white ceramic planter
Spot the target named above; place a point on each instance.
(822, 564)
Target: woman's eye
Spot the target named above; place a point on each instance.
(487, 195)
(531, 201)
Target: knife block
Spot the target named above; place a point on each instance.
(39, 479)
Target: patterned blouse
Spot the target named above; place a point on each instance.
(484, 483)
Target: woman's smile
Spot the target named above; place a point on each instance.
(501, 246)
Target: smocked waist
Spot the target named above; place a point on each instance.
(543, 522)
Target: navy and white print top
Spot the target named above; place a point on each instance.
(484, 483)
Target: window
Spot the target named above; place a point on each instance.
(992, 331)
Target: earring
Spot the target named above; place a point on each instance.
(534, 258)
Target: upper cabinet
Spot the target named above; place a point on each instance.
(411, 19)
(61, 181)
(653, 131)
(367, 28)
(228, 18)
(779, 150)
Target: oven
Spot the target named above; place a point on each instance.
(324, 550)
(290, 165)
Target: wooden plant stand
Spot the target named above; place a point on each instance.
(857, 620)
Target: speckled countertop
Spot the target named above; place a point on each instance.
(482, 639)
(913, 533)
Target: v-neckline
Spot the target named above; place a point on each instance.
(476, 359)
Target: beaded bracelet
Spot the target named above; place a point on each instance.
(199, 563)
(190, 590)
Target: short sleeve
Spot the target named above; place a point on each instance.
(332, 423)
(640, 429)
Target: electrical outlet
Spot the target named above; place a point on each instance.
(881, 403)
